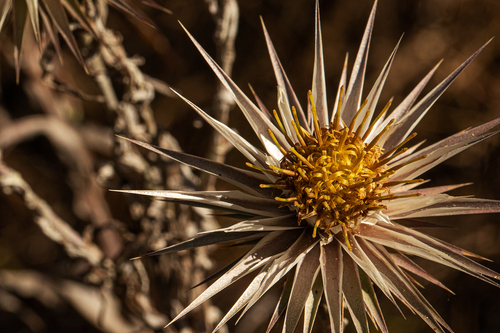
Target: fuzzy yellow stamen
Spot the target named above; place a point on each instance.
(333, 177)
(360, 127)
(250, 165)
(315, 119)
(282, 129)
(282, 171)
(278, 186)
(370, 128)
(283, 151)
(353, 121)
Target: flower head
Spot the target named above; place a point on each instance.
(332, 207)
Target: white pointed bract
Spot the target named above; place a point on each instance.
(331, 208)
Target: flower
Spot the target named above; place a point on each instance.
(332, 209)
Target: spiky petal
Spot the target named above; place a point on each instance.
(345, 199)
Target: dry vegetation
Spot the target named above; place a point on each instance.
(66, 241)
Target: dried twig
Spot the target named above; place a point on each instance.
(100, 307)
(89, 198)
(50, 223)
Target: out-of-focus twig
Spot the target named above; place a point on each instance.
(50, 223)
(89, 198)
(226, 16)
(139, 91)
(97, 138)
(100, 307)
(134, 119)
(128, 94)
(88, 203)
(11, 303)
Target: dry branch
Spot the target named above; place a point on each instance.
(51, 224)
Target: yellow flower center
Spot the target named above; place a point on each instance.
(335, 177)
(338, 181)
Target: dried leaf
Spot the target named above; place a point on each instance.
(20, 11)
(312, 304)
(33, 11)
(305, 275)
(58, 16)
(5, 6)
(332, 273)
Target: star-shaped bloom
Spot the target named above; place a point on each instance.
(332, 202)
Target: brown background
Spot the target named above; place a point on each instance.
(447, 29)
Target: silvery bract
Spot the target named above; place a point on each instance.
(333, 199)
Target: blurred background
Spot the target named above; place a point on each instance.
(66, 241)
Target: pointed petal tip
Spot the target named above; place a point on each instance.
(480, 49)
(477, 256)
(139, 192)
(137, 142)
(183, 27)
(155, 5)
(264, 29)
(178, 94)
